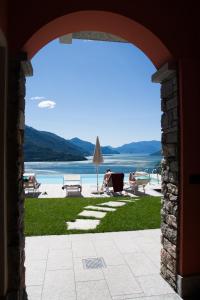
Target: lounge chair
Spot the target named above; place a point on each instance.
(30, 183)
(72, 183)
(116, 181)
(143, 182)
(142, 179)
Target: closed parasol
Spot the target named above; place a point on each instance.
(97, 159)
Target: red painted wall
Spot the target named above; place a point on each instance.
(170, 22)
(101, 21)
(190, 164)
(176, 25)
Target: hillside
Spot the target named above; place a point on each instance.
(157, 153)
(46, 146)
(88, 148)
(140, 147)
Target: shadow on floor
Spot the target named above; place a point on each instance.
(33, 195)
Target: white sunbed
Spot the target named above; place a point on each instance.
(142, 179)
(72, 183)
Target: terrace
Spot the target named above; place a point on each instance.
(51, 187)
(118, 260)
(104, 266)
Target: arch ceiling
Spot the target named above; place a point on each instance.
(101, 21)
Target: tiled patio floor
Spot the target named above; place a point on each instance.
(55, 269)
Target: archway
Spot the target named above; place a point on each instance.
(102, 21)
(159, 55)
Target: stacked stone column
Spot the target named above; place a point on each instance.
(170, 172)
(15, 193)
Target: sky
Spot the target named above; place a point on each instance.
(92, 88)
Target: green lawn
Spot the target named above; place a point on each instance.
(48, 216)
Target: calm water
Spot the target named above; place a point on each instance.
(52, 172)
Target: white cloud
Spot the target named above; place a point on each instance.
(47, 104)
(37, 98)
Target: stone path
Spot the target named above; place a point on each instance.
(98, 212)
(112, 204)
(100, 208)
(95, 214)
(126, 200)
(82, 224)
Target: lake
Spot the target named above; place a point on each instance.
(52, 172)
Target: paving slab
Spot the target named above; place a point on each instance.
(59, 284)
(59, 259)
(100, 208)
(36, 273)
(121, 281)
(81, 224)
(93, 290)
(35, 253)
(83, 248)
(140, 264)
(154, 284)
(34, 292)
(126, 244)
(94, 214)
(112, 204)
(110, 253)
(39, 246)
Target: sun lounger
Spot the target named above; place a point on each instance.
(72, 183)
(141, 179)
(143, 182)
(30, 183)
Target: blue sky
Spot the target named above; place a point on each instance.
(94, 88)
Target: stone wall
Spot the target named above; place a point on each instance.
(170, 172)
(15, 193)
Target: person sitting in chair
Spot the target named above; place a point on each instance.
(132, 182)
(106, 179)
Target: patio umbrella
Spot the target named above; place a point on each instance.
(97, 159)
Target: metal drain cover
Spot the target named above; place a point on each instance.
(94, 263)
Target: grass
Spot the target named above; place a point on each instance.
(48, 216)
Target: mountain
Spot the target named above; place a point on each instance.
(46, 146)
(88, 148)
(140, 147)
(157, 153)
(109, 150)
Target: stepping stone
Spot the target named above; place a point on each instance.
(124, 200)
(113, 204)
(100, 208)
(81, 224)
(95, 214)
